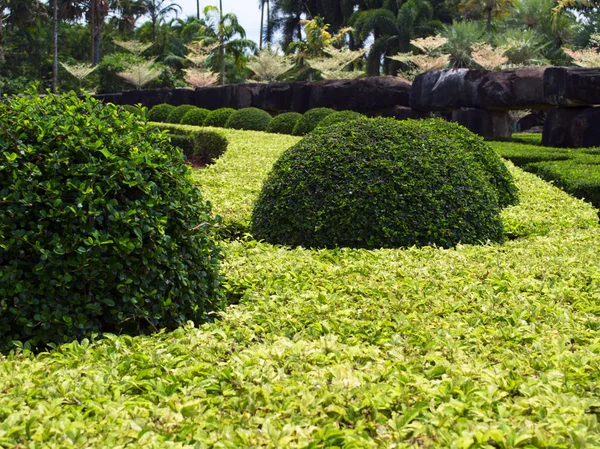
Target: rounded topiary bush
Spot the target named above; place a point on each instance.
(456, 135)
(377, 183)
(310, 120)
(136, 110)
(251, 119)
(160, 112)
(195, 117)
(218, 118)
(341, 116)
(284, 123)
(178, 112)
(102, 227)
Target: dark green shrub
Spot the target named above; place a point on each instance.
(251, 119)
(310, 120)
(160, 112)
(135, 110)
(455, 135)
(101, 226)
(284, 123)
(341, 116)
(200, 147)
(178, 112)
(195, 117)
(377, 183)
(218, 118)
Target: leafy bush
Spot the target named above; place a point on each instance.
(201, 147)
(377, 183)
(341, 116)
(522, 154)
(178, 112)
(160, 112)
(310, 120)
(455, 135)
(252, 119)
(102, 228)
(284, 123)
(135, 110)
(195, 117)
(218, 118)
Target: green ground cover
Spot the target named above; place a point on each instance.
(494, 346)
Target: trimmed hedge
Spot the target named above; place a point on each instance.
(341, 116)
(284, 123)
(249, 119)
(136, 110)
(310, 120)
(200, 146)
(160, 112)
(194, 117)
(177, 113)
(102, 227)
(218, 118)
(378, 183)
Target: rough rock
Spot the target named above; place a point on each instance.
(448, 89)
(236, 96)
(280, 97)
(585, 131)
(536, 118)
(568, 86)
(557, 127)
(405, 113)
(489, 124)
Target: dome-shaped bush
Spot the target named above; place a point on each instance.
(178, 112)
(101, 228)
(341, 116)
(252, 119)
(377, 183)
(310, 120)
(136, 110)
(456, 135)
(160, 112)
(195, 117)
(284, 123)
(218, 118)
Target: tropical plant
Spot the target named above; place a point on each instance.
(487, 8)
(140, 73)
(268, 65)
(461, 38)
(335, 62)
(158, 10)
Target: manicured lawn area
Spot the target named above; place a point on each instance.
(477, 346)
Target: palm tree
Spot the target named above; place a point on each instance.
(489, 8)
(392, 30)
(157, 10)
(19, 13)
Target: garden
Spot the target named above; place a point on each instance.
(490, 340)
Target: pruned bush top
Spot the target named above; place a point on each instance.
(160, 112)
(101, 226)
(218, 118)
(195, 117)
(178, 112)
(341, 116)
(378, 183)
(310, 119)
(284, 123)
(251, 119)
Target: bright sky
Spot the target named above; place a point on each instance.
(247, 12)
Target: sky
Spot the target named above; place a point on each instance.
(247, 12)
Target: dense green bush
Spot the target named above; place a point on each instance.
(195, 117)
(341, 116)
(310, 120)
(284, 123)
(200, 147)
(218, 118)
(178, 112)
(377, 183)
(101, 226)
(160, 112)
(251, 119)
(455, 135)
(136, 110)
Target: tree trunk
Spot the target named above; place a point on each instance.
(92, 29)
(489, 21)
(221, 42)
(55, 42)
(198, 9)
(97, 39)
(262, 23)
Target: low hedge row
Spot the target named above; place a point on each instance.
(577, 171)
(200, 147)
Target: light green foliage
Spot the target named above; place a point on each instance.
(493, 346)
(218, 118)
(340, 116)
(251, 119)
(284, 123)
(179, 112)
(310, 119)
